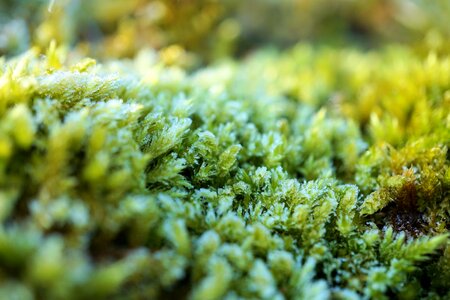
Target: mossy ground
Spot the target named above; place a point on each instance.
(315, 172)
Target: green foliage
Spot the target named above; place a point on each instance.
(312, 174)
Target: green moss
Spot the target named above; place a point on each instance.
(309, 174)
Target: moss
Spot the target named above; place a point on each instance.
(134, 179)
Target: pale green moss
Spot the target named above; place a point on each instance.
(311, 174)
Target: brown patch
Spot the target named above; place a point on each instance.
(412, 223)
(403, 214)
(406, 199)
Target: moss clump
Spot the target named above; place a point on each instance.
(310, 174)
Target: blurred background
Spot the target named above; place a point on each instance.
(201, 31)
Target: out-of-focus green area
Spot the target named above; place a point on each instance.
(205, 30)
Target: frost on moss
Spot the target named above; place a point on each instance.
(303, 175)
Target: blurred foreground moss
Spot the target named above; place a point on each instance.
(315, 173)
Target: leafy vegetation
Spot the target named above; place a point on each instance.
(312, 173)
(230, 161)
